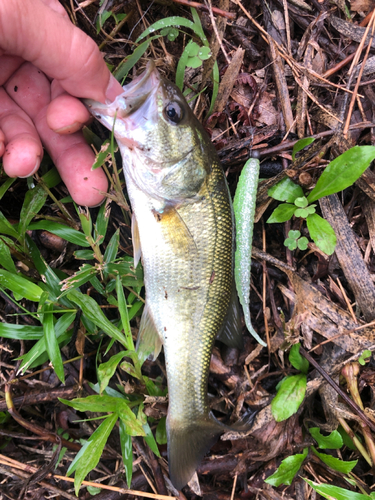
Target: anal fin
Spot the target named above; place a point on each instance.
(149, 342)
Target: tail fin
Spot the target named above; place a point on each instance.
(188, 444)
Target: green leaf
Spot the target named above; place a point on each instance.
(365, 355)
(85, 274)
(133, 426)
(343, 171)
(6, 185)
(7, 228)
(37, 354)
(112, 248)
(298, 361)
(290, 243)
(333, 441)
(127, 452)
(287, 470)
(65, 232)
(101, 224)
(289, 397)
(93, 312)
(170, 33)
(123, 310)
(93, 490)
(84, 254)
(294, 234)
(52, 345)
(97, 403)
(88, 457)
(161, 431)
(282, 213)
(301, 202)
(285, 190)
(181, 66)
(106, 370)
(335, 463)
(303, 243)
(299, 145)
(86, 221)
(334, 492)
(322, 233)
(20, 285)
(127, 64)
(20, 332)
(174, 21)
(33, 202)
(6, 257)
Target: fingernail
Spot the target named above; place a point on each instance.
(69, 129)
(37, 165)
(113, 89)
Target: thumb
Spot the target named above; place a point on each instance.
(41, 35)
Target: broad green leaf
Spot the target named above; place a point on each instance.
(86, 220)
(287, 470)
(106, 370)
(129, 276)
(33, 202)
(150, 440)
(244, 209)
(334, 492)
(51, 178)
(123, 310)
(161, 431)
(20, 332)
(297, 360)
(52, 345)
(91, 452)
(20, 285)
(6, 260)
(335, 463)
(343, 171)
(97, 403)
(299, 145)
(65, 232)
(282, 213)
(286, 190)
(333, 441)
(322, 233)
(289, 397)
(101, 157)
(93, 312)
(127, 452)
(84, 254)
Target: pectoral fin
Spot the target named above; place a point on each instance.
(176, 232)
(149, 342)
(231, 331)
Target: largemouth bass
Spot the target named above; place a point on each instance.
(183, 230)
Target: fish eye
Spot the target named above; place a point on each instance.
(174, 112)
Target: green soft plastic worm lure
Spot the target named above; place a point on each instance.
(244, 209)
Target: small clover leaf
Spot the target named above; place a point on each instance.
(294, 234)
(303, 243)
(196, 55)
(290, 243)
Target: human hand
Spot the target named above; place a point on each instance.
(45, 61)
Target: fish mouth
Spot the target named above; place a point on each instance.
(135, 94)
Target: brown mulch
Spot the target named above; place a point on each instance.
(289, 69)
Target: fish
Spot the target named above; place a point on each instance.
(183, 231)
